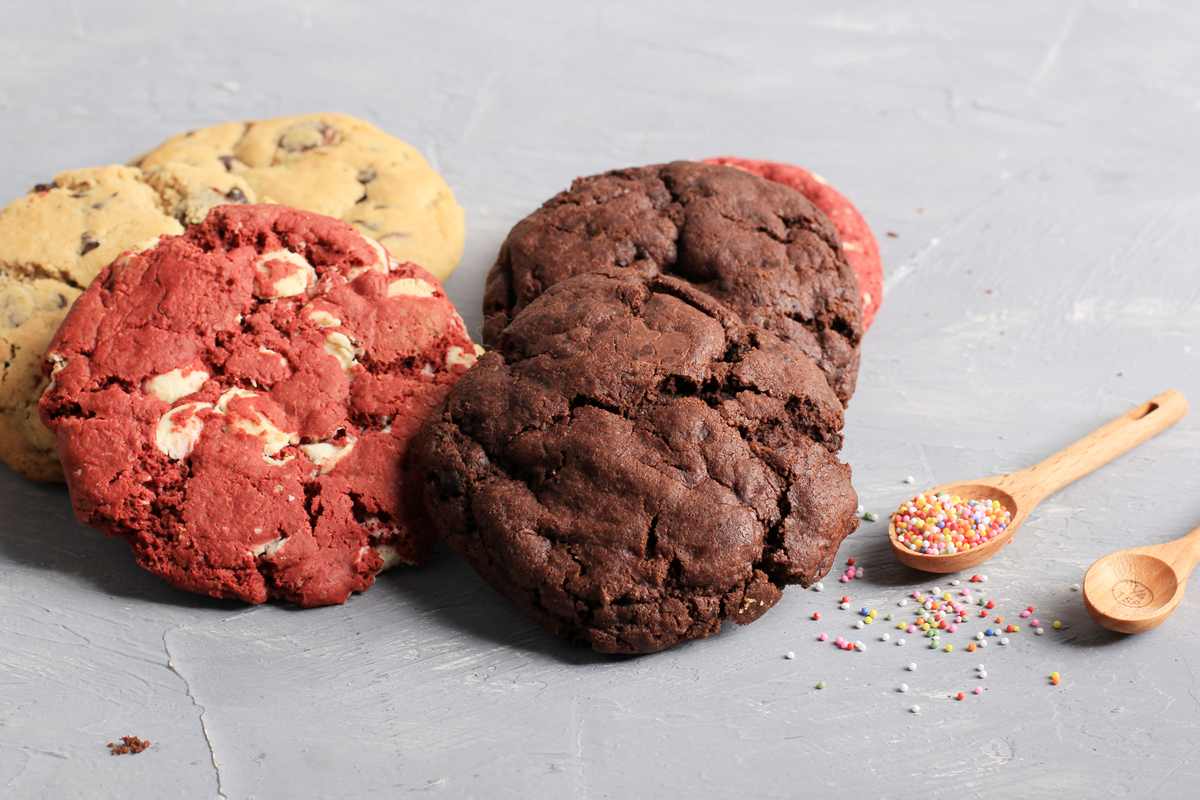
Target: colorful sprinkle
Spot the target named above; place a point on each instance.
(816, 615)
(959, 696)
(1057, 624)
(945, 525)
(789, 655)
(820, 684)
(978, 690)
(904, 687)
(824, 637)
(912, 666)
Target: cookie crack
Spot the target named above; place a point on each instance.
(35, 271)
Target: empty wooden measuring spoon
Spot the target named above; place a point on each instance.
(1020, 491)
(1134, 590)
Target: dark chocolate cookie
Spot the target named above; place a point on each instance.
(758, 246)
(632, 464)
(237, 403)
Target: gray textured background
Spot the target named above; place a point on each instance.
(1045, 151)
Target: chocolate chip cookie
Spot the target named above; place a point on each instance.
(632, 464)
(339, 166)
(53, 242)
(756, 245)
(238, 402)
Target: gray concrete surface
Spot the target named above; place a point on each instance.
(1038, 163)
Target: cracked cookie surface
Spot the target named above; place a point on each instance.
(339, 166)
(862, 251)
(238, 403)
(632, 464)
(756, 245)
(53, 242)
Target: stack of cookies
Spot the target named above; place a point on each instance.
(650, 447)
(261, 386)
(257, 331)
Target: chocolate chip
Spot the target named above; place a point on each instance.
(228, 162)
(236, 195)
(371, 226)
(366, 176)
(87, 243)
(62, 301)
(45, 187)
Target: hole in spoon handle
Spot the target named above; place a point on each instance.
(1101, 446)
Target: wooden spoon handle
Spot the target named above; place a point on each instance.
(1099, 447)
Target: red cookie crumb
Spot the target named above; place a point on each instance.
(131, 744)
(862, 251)
(237, 403)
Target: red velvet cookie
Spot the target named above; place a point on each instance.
(862, 251)
(237, 403)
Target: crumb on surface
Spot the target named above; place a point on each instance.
(130, 744)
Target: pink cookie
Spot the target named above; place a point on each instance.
(862, 251)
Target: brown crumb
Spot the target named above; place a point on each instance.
(989, 291)
(132, 744)
(893, 234)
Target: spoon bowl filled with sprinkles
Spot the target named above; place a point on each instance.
(960, 525)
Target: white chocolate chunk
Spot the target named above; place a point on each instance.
(291, 283)
(170, 386)
(58, 363)
(273, 438)
(382, 260)
(340, 347)
(223, 400)
(412, 287)
(390, 556)
(129, 252)
(819, 179)
(320, 317)
(457, 357)
(268, 549)
(266, 351)
(851, 247)
(179, 429)
(326, 456)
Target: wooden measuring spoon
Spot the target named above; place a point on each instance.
(1134, 590)
(1020, 491)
